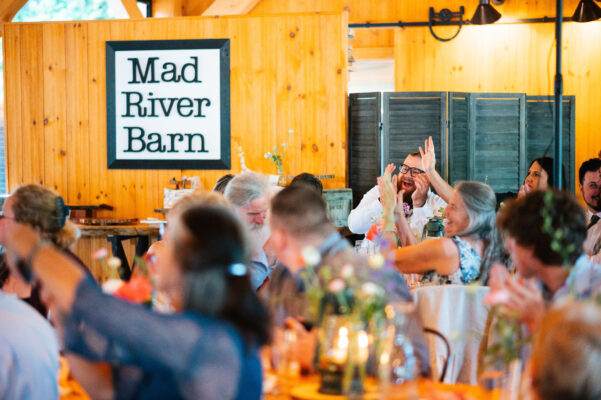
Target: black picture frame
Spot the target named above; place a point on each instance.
(223, 45)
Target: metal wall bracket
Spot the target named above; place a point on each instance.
(445, 17)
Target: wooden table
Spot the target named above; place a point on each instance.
(117, 238)
(306, 388)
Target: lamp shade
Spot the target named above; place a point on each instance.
(485, 14)
(586, 11)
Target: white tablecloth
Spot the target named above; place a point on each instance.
(458, 313)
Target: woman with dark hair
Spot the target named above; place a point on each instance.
(540, 176)
(222, 183)
(207, 350)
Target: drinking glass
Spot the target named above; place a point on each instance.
(398, 363)
(284, 359)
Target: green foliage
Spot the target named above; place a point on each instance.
(63, 10)
(559, 243)
(509, 338)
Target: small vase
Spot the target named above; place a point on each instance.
(282, 177)
(282, 180)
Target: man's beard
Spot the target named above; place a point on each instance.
(595, 208)
(258, 236)
(408, 192)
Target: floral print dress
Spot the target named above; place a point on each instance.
(469, 267)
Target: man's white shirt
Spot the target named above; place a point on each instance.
(369, 211)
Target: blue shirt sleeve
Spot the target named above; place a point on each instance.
(200, 352)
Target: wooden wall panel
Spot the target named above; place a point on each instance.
(77, 118)
(12, 72)
(279, 67)
(55, 109)
(32, 106)
(510, 59)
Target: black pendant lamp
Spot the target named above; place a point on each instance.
(586, 11)
(485, 14)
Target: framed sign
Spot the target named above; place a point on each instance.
(168, 104)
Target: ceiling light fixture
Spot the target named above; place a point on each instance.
(485, 14)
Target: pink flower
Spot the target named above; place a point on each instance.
(336, 285)
(374, 230)
(100, 254)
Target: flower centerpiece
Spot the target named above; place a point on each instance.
(349, 305)
(277, 158)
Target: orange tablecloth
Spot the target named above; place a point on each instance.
(306, 389)
(68, 388)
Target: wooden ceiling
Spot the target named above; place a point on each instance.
(10, 8)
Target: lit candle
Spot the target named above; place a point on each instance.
(340, 349)
(363, 342)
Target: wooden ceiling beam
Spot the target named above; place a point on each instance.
(230, 7)
(131, 7)
(8, 10)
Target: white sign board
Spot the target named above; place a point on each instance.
(168, 104)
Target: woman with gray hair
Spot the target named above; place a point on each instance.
(471, 245)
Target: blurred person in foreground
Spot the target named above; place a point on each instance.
(566, 357)
(29, 359)
(299, 222)
(206, 350)
(543, 233)
(47, 213)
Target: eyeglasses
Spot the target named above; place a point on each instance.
(411, 171)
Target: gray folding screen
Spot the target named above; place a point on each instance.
(487, 139)
(364, 142)
(409, 119)
(492, 137)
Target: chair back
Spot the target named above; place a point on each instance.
(459, 314)
(445, 365)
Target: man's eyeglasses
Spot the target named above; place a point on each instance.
(405, 169)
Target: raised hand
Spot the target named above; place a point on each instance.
(428, 155)
(422, 185)
(389, 170)
(526, 300)
(524, 190)
(388, 198)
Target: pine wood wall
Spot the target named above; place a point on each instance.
(288, 73)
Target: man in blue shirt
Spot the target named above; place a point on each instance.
(29, 358)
